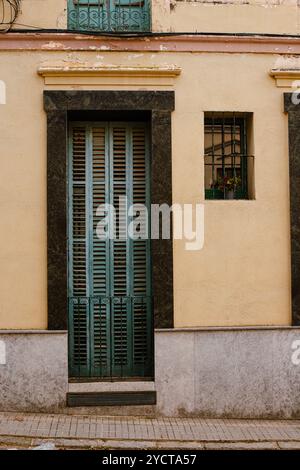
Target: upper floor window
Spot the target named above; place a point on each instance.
(229, 169)
(109, 15)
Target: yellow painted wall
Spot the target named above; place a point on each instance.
(242, 275)
(255, 17)
(43, 14)
(259, 16)
(22, 196)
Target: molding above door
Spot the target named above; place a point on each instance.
(82, 74)
(286, 78)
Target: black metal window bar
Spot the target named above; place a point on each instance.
(109, 15)
(229, 169)
(110, 337)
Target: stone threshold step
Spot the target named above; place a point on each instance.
(130, 386)
(111, 398)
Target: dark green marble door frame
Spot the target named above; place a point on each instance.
(57, 105)
(293, 111)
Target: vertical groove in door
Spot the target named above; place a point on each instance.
(120, 287)
(100, 310)
(141, 311)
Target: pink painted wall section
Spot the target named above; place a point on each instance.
(174, 43)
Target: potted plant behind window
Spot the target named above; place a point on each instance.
(214, 192)
(229, 186)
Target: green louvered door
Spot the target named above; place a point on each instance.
(110, 314)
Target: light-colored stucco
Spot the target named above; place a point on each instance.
(242, 275)
(229, 17)
(253, 16)
(42, 14)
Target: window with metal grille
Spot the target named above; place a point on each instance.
(229, 168)
(109, 15)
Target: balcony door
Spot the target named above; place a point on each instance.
(109, 15)
(109, 277)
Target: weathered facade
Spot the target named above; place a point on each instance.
(166, 109)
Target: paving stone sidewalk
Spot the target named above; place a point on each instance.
(20, 430)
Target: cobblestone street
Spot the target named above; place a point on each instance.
(19, 430)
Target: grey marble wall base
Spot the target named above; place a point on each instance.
(34, 376)
(234, 373)
(228, 373)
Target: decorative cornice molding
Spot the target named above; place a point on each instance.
(286, 78)
(93, 74)
(175, 43)
(81, 70)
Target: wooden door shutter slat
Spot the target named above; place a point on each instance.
(78, 304)
(141, 250)
(119, 253)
